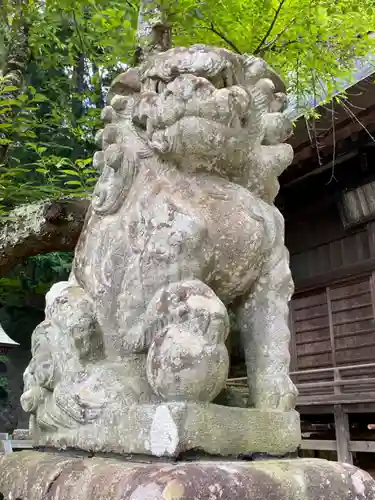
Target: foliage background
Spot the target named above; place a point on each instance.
(74, 48)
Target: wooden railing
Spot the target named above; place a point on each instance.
(338, 397)
(8, 445)
(334, 403)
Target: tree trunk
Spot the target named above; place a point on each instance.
(16, 57)
(78, 83)
(153, 31)
(42, 227)
(99, 99)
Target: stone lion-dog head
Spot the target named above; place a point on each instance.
(200, 109)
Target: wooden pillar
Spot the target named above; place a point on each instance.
(342, 435)
(5, 444)
(371, 237)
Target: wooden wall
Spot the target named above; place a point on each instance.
(319, 244)
(332, 312)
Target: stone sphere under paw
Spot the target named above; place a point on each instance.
(183, 366)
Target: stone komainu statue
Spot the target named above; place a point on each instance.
(182, 224)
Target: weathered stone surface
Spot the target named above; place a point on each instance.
(181, 225)
(170, 429)
(21, 434)
(44, 476)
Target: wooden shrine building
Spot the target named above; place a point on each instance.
(327, 197)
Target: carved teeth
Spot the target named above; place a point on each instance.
(241, 99)
(228, 78)
(144, 109)
(160, 86)
(149, 85)
(278, 128)
(280, 103)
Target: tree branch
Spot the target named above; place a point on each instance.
(225, 38)
(271, 43)
(42, 227)
(260, 46)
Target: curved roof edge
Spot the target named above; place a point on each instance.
(5, 340)
(363, 68)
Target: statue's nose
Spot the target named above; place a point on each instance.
(239, 100)
(242, 99)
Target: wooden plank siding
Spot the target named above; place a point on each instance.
(334, 327)
(332, 314)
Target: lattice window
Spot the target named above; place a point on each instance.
(358, 205)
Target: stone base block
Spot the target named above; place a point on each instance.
(36, 475)
(171, 429)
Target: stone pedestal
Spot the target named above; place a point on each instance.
(46, 476)
(171, 429)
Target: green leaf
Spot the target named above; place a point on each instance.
(40, 98)
(71, 172)
(82, 163)
(10, 102)
(73, 183)
(9, 88)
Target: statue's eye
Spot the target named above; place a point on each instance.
(243, 121)
(217, 81)
(223, 80)
(140, 121)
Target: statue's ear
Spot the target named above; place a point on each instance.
(114, 184)
(256, 69)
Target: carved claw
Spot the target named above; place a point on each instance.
(274, 392)
(79, 403)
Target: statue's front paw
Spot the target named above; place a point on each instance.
(31, 399)
(275, 392)
(79, 402)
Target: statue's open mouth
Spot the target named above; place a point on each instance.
(216, 99)
(223, 79)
